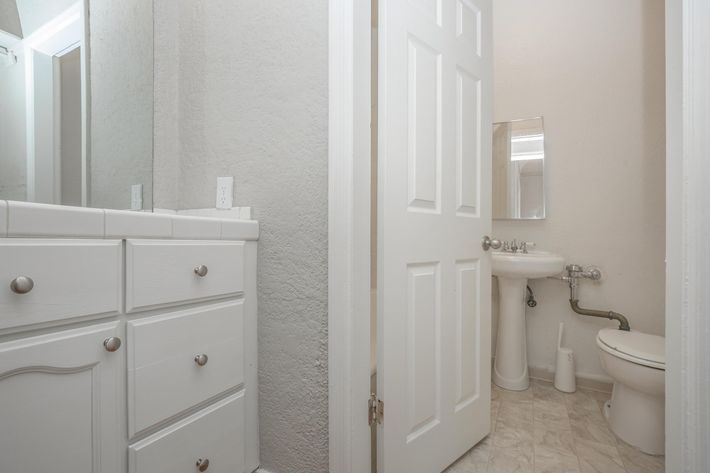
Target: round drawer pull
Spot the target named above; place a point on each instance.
(22, 284)
(202, 465)
(201, 359)
(201, 270)
(112, 344)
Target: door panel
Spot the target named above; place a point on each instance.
(435, 78)
(423, 350)
(468, 328)
(424, 147)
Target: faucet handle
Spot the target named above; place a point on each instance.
(527, 245)
(514, 245)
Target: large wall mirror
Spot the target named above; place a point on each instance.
(519, 169)
(76, 102)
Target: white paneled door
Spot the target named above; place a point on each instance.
(435, 93)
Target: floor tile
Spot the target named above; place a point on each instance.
(582, 400)
(591, 425)
(635, 461)
(551, 441)
(546, 391)
(510, 460)
(551, 414)
(495, 406)
(556, 464)
(505, 395)
(475, 460)
(518, 411)
(595, 457)
(512, 434)
(543, 430)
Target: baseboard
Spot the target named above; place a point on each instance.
(584, 380)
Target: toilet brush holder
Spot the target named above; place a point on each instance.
(565, 380)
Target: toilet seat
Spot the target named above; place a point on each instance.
(637, 347)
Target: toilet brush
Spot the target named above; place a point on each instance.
(564, 371)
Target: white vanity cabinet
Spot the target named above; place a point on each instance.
(60, 402)
(128, 354)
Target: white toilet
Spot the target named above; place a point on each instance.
(636, 362)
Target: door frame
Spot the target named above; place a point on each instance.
(687, 222)
(64, 33)
(349, 235)
(687, 211)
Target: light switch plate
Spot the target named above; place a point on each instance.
(225, 189)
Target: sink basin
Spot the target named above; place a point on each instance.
(510, 370)
(531, 265)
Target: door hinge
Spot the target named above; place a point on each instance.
(376, 410)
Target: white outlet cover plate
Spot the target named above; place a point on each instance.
(225, 190)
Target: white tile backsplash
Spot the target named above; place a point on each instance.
(233, 213)
(31, 219)
(239, 229)
(127, 224)
(196, 228)
(26, 219)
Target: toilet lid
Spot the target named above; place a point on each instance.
(637, 347)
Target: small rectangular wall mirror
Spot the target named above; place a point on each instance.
(76, 102)
(519, 169)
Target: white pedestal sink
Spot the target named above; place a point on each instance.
(513, 270)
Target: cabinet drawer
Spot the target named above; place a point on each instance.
(71, 278)
(164, 377)
(162, 272)
(214, 435)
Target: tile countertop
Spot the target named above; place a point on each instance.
(25, 219)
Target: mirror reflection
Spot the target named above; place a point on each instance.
(519, 169)
(76, 117)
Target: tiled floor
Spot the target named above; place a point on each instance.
(544, 430)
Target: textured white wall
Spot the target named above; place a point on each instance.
(596, 74)
(166, 159)
(251, 101)
(121, 51)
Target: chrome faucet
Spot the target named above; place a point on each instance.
(517, 247)
(514, 246)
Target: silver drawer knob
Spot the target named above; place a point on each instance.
(22, 284)
(202, 465)
(201, 359)
(111, 344)
(201, 270)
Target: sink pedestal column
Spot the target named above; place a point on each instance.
(510, 370)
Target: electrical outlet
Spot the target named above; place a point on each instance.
(225, 189)
(137, 197)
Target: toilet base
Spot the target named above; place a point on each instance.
(637, 418)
